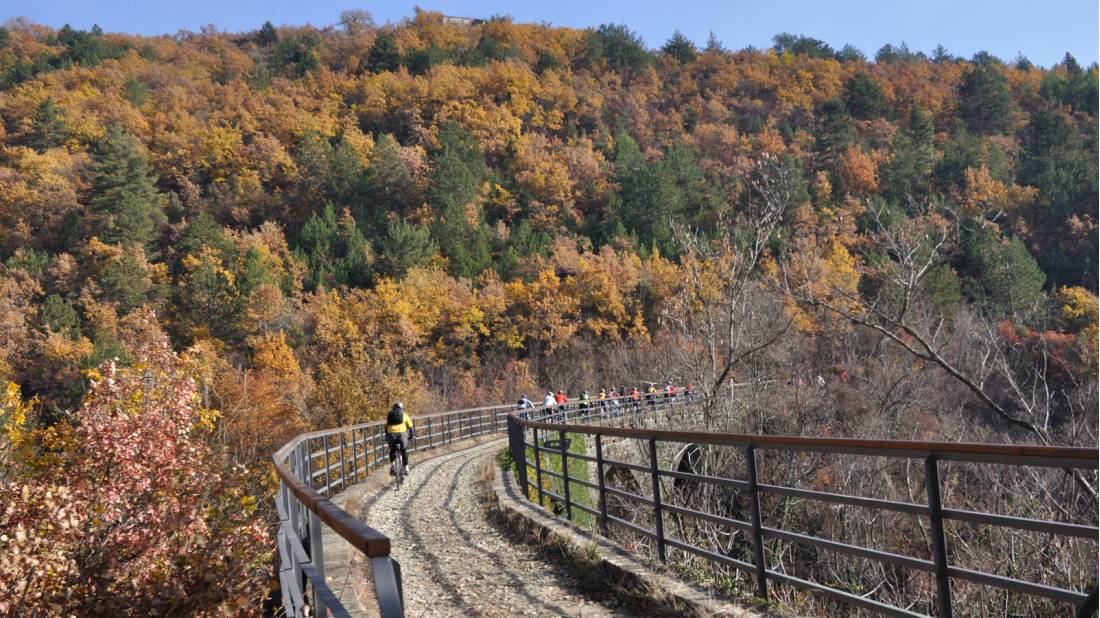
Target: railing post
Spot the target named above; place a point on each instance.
(757, 532)
(600, 480)
(519, 451)
(307, 463)
(1088, 608)
(343, 463)
(354, 457)
(939, 543)
(387, 586)
(328, 481)
(565, 475)
(659, 526)
(317, 559)
(538, 464)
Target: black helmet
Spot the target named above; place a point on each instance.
(399, 405)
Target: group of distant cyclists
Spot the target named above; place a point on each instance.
(615, 400)
(400, 430)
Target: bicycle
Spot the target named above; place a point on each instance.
(397, 469)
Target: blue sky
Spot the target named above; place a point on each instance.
(1043, 31)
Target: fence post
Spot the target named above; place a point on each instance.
(429, 432)
(343, 463)
(538, 464)
(328, 481)
(601, 482)
(519, 451)
(658, 518)
(1088, 608)
(939, 543)
(565, 475)
(757, 533)
(354, 458)
(317, 559)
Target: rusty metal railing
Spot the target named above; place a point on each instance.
(313, 467)
(524, 437)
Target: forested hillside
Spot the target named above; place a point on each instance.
(294, 227)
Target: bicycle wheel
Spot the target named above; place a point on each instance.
(398, 473)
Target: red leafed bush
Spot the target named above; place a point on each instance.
(135, 514)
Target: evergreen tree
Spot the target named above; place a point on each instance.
(203, 231)
(384, 54)
(209, 300)
(404, 246)
(850, 53)
(984, 100)
(267, 35)
(802, 46)
(906, 175)
(680, 48)
(59, 315)
(126, 206)
(254, 272)
(653, 194)
(335, 251)
(1056, 161)
(49, 128)
(714, 45)
(940, 55)
(1071, 86)
(835, 132)
(389, 186)
(1003, 275)
(457, 177)
(621, 47)
(863, 97)
(889, 54)
(298, 55)
(126, 283)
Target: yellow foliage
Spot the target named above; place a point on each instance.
(984, 195)
(858, 171)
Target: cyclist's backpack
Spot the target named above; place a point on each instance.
(395, 417)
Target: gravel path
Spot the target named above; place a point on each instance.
(454, 561)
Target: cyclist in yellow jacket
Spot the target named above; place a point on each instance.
(399, 430)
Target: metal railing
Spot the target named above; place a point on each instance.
(524, 437)
(313, 467)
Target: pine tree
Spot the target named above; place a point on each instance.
(126, 207)
(389, 186)
(863, 97)
(459, 172)
(49, 128)
(384, 55)
(680, 48)
(404, 246)
(907, 173)
(1003, 275)
(267, 35)
(984, 100)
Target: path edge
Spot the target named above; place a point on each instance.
(624, 575)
